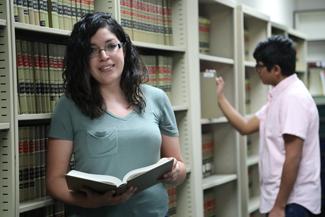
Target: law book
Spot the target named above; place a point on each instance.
(141, 178)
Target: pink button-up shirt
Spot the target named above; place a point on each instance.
(290, 110)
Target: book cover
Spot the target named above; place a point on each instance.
(140, 178)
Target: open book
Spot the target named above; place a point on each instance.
(140, 178)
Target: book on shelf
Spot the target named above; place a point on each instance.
(209, 203)
(207, 154)
(209, 95)
(141, 178)
(204, 32)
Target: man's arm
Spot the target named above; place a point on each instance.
(293, 149)
(243, 125)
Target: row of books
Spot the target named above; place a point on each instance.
(53, 210)
(32, 159)
(60, 14)
(160, 71)
(207, 154)
(171, 190)
(204, 35)
(209, 203)
(148, 20)
(39, 75)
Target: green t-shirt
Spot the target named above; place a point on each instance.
(114, 145)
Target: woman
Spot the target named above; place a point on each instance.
(111, 122)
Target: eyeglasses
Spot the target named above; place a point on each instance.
(259, 66)
(109, 48)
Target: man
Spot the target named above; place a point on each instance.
(289, 161)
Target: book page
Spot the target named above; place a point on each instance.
(137, 172)
(95, 177)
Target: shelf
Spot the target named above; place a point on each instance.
(178, 108)
(41, 29)
(27, 117)
(34, 28)
(319, 100)
(297, 34)
(216, 59)
(254, 204)
(4, 126)
(216, 180)
(3, 23)
(279, 27)
(316, 39)
(223, 2)
(250, 64)
(252, 160)
(35, 204)
(220, 120)
(254, 13)
(188, 170)
(158, 47)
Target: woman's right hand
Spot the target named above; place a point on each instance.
(95, 200)
(220, 86)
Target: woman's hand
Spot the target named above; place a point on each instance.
(95, 200)
(220, 86)
(172, 176)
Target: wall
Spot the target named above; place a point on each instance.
(280, 11)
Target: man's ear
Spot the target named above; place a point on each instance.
(277, 70)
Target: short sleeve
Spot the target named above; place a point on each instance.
(61, 125)
(167, 120)
(260, 114)
(294, 117)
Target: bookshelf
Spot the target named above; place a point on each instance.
(278, 29)
(300, 43)
(253, 28)
(7, 150)
(217, 56)
(232, 185)
(177, 49)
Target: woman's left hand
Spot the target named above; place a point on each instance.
(172, 176)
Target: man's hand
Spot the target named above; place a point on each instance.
(277, 212)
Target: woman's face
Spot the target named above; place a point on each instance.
(107, 58)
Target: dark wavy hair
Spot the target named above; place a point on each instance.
(80, 86)
(277, 50)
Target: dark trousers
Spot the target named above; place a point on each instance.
(296, 210)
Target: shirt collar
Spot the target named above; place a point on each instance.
(280, 87)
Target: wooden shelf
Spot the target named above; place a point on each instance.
(319, 100)
(158, 47)
(26, 117)
(220, 120)
(216, 180)
(216, 59)
(3, 23)
(4, 126)
(35, 204)
(254, 204)
(252, 160)
(41, 29)
(179, 108)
